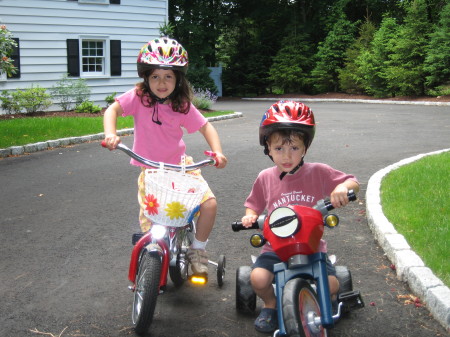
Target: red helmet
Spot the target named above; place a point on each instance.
(164, 53)
(287, 115)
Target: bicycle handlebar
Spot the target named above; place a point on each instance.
(323, 206)
(155, 164)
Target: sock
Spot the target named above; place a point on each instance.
(196, 244)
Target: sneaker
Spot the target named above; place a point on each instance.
(267, 321)
(199, 260)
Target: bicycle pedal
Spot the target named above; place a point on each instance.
(351, 300)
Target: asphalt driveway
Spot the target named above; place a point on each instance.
(67, 215)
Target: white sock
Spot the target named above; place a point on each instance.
(196, 244)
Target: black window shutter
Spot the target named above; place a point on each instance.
(116, 57)
(15, 56)
(73, 58)
(114, 2)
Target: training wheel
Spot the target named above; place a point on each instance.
(221, 270)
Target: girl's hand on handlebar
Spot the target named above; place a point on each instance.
(221, 160)
(111, 141)
(248, 220)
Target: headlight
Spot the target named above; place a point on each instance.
(331, 220)
(158, 231)
(257, 240)
(283, 222)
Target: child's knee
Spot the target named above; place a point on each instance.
(261, 278)
(209, 206)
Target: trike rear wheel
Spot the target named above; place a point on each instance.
(245, 296)
(146, 292)
(300, 307)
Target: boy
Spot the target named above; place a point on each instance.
(286, 132)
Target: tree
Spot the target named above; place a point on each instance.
(351, 76)
(404, 68)
(330, 56)
(371, 62)
(437, 60)
(292, 65)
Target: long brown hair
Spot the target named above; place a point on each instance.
(180, 98)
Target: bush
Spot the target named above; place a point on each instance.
(198, 76)
(110, 99)
(203, 99)
(88, 107)
(32, 100)
(71, 92)
(10, 105)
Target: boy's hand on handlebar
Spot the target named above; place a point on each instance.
(338, 197)
(111, 141)
(221, 160)
(248, 220)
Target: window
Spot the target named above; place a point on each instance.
(94, 57)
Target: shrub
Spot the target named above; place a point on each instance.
(10, 105)
(7, 45)
(71, 92)
(88, 107)
(203, 99)
(32, 99)
(110, 98)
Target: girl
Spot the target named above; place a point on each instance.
(160, 106)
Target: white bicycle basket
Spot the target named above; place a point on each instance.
(172, 197)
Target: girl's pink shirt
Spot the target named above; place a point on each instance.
(161, 143)
(312, 182)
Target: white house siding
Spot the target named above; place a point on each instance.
(43, 27)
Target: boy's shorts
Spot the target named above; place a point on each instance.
(269, 259)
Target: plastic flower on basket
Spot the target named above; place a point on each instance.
(175, 210)
(152, 204)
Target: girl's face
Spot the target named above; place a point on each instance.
(286, 153)
(162, 82)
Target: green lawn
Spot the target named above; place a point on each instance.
(416, 200)
(22, 131)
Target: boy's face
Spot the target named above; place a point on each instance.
(286, 153)
(162, 82)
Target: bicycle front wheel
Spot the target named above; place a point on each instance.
(146, 292)
(300, 308)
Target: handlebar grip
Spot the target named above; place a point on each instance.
(351, 195)
(237, 226)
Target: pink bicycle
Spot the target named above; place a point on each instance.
(174, 200)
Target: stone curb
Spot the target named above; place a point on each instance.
(41, 146)
(343, 100)
(409, 266)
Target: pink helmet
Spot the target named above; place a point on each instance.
(163, 53)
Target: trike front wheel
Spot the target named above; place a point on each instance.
(146, 292)
(300, 307)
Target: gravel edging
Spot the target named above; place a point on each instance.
(50, 144)
(408, 265)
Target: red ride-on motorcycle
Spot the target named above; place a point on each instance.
(304, 305)
(175, 199)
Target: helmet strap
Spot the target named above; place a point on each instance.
(295, 169)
